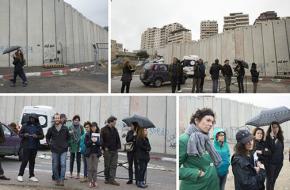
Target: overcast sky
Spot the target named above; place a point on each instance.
(131, 17)
(261, 100)
(95, 10)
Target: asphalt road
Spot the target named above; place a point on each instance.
(78, 82)
(138, 87)
(160, 175)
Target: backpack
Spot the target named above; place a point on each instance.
(2, 136)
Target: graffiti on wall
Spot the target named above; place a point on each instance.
(49, 53)
(162, 132)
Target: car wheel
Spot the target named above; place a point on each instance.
(20, 154)
(158, 82)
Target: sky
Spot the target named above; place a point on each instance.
(95, 10)
(131, 17)
(261, 100)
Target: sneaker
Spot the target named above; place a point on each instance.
(114, 183)
(20, 178)
(179, 91)
(34, 179)
(130, 182)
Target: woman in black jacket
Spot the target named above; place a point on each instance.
(260, 148)
(255, 77)
(248, 175)
(19, 62)
(131, 138)
(93, 153)
(274, 164)
(142, 156)
(126, 76)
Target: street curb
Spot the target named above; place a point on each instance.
(167, 159)
(51, 73)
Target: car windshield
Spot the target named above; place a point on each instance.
(42, 119)
(148, 66)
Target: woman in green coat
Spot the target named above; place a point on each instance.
(197, 156)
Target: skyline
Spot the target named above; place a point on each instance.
(130, 34)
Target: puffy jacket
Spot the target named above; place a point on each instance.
(224, 152)
(245, 175)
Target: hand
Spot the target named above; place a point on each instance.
(257, 169)
(260, 165)
(26, 135)
(259, 152)
(201, 173)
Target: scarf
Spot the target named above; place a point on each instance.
(199, 143)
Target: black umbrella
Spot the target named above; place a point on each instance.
(143, 122)
(244, 63)
(10, 49)
(266, 117)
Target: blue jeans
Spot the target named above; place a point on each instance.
(85, 166)
(215, 84)
(59, 159)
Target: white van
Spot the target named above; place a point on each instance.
(45, 116)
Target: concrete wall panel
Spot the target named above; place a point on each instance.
(18, 25)
(86, 50)
(239, 43)
(287, 21)
(81, 37)
(76, 36)
(219, 47)
(258, 49)
(269, 48)
(170, 110)
(69, 47)
(35, 53)
(4, 31)
(49, 35)
(228, 46)
(248, 45)
(60, 31)
(281, 44)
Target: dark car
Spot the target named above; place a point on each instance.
(11, 146)
(156, 74)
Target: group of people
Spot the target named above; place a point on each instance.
(205, 165)
(199, 74)
(86, 142)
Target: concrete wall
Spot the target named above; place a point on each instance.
(49, 31)
(160, 110)
(266, 44)
(230, 115)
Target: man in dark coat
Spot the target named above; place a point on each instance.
(57, 138)
(175, 73)
(31, 133)
(227, 73)
(2, 140)
(111, 144)
(215, 74)
(196, 78)
(202, 74)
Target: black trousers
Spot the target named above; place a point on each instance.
(175, 83)
(241, 84)
(127, 85)
(201, 84)
(272, 174)
(132, 160)
(29, 155)
(21, 74)
(72, 160)
(141, 170)
(1, 169)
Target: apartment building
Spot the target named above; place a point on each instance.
(235, 20)
(208, 28)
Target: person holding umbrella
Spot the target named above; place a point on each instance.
(274, 164)
(197, 156)
(19, 62)
(247, 173)
(142, 156)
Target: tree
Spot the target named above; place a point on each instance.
(142, 54)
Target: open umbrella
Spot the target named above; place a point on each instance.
(244, 63)
(10, 49)
(266, 117)
(143, 122)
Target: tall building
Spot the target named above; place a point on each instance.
(235, 20)
(265, 16)
(179, 36)
(159, 37)
(208, 28)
